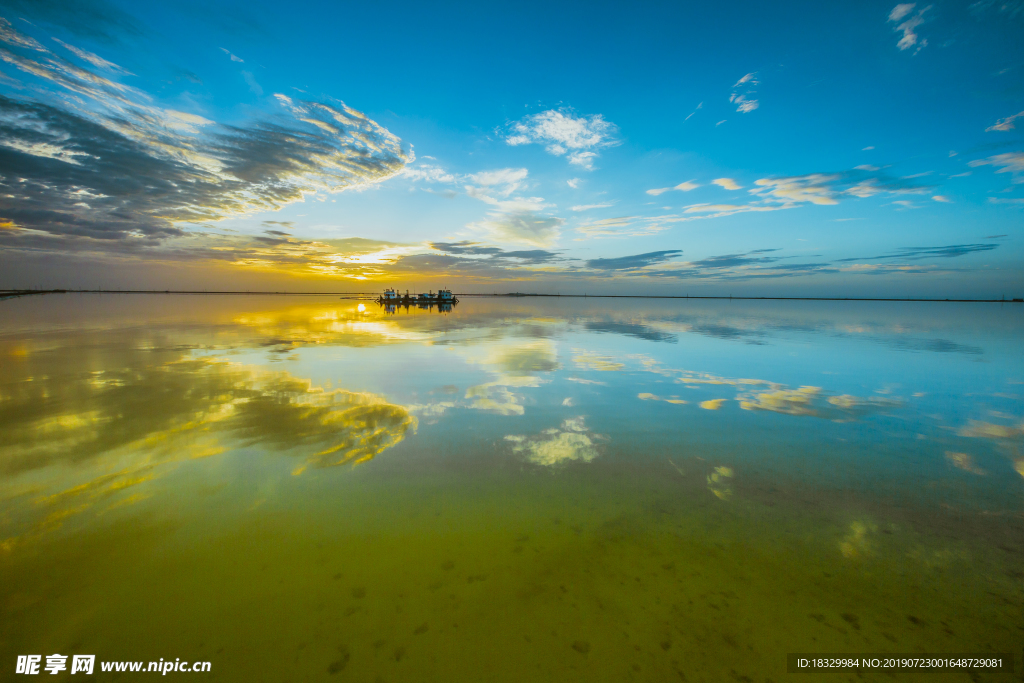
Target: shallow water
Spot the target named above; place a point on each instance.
(309, 488)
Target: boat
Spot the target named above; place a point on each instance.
(444, 299)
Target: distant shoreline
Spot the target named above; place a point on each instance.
(15, 293)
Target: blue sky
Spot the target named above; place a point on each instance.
(802, 149)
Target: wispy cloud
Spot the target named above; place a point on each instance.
(234, 58)
(92, 58)
(918, 253)
(726, 183)
(495, 254)
(1005, 124)
(829, 188)
(105, 163)
(524, 227)
(563, 133)
(682, 187)
(908, 27)
(623, 226)
(942, 198)
(634, 262)
(744, 100)
(1011, 162)
(698, 107)
(588, 207)
(733, 260)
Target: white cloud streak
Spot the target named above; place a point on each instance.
(1004, 124)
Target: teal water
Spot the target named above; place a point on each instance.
(301, 488)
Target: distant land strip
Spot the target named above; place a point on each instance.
(14, 293)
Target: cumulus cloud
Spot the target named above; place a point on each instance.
(908, 27)
(563, 133)
(1011, 162)
(726, 183)
(1005, 124)
(104, 163)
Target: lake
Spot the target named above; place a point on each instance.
(309, 488)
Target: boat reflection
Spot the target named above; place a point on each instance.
(392, 307)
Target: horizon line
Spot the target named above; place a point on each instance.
(15, 293)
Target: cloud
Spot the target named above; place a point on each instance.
(563, 133)
(1004, 124)
(428, 173)
(918, 253)
(234, 58)
(909, 38)
(115, 167)
(733, 260)
(726, 183)
(93, 59)
(588, 207)
(504, 181)
(527, 227)
(682, 187)
(633, 262)
(466, 247)
(829, 188)
(573, 183)
(1011, 162)
(744, 101)
(693, 112)
(622, 226)
(942, 198)
(865, 149)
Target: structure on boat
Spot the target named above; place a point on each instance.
(391, 299)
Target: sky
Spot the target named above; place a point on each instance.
(747, 149)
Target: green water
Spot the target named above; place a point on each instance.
(296, 489)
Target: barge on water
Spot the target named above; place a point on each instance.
(391, 300)
(392, 296)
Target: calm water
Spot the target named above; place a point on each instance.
(299, 488)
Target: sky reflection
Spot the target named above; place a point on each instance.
(95, 409)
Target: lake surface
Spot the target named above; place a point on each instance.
(311, 488)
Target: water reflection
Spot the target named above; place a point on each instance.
(523, 462)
